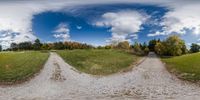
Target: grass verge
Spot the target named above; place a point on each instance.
(19, 66)
(186, 67)
(99, 62)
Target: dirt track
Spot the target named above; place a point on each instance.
(59, 81)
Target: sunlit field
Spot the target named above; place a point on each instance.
(186, 66)
(99, 62)
(19, 66)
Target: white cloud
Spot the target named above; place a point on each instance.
(79, 27)
(62, 32)
(183, 17)
(16, 16)
(157, 33)
(124, 24)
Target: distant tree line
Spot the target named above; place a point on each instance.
(37, 45)
(194, 48)
(171, 46)
(0, 48)
(136, 48)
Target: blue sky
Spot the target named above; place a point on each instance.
(98, 22)
(45, 23)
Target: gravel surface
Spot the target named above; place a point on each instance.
(59, 81)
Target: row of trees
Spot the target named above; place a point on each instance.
(37, 45)
(194, 48)
(137, 48)
(0, 48)
(172, 46)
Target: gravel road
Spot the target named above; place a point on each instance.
(59, 81)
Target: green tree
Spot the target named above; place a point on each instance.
(174, 46)
(152, 44)
(123, 45)
(144, 46)
(45, 47)
(194, 48)
(25, 46)
(0, 48)
(137, 47)
(37, 45)
(13, 46)
(159, 48)
(146, 50)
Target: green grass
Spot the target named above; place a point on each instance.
(186, 67)
(99, 62)
(19, 66)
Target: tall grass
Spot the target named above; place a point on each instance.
(186, 66)
(17, 66)
(98, 62)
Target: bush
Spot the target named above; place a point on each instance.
(194, 48)
(172, 46)
(146, 51)
(0, 48)
(159, 48)
(123, 45)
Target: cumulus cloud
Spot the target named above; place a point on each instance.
(16, 16)
(62, 32)
(124, 24)
(181, 19)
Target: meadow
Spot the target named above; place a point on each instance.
(99, 62)
(19, 66)
(186, 67)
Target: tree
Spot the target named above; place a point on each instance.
(159, 48)
(194, 48)
(174, 45)
(146, 50)
(25, 46)
(152, 44)
(184, 48)
(123, 45)
(0, 48)
(59, 46)
(45, 47)
(108, 47)
(37, 45)
(137, 47)
(144, 46)
(13, 46)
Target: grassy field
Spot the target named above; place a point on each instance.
(99, 62)
(186, 67)
(19, 66)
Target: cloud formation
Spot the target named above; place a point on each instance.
(124, 24)
(16, 17)
(157, 33)
(62, 32)
(182, 18)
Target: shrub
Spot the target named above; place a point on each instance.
(194, 48)
(123, 45)
(172, 46)
(146, 50)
